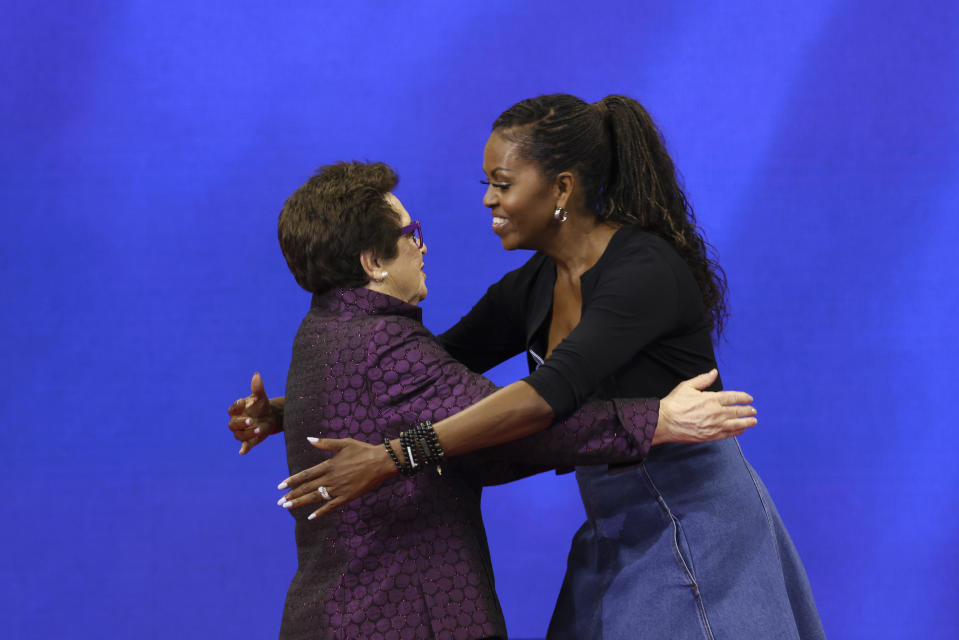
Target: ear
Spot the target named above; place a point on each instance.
(563, 186)
(371, 265)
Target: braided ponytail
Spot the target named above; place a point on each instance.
(643, 190)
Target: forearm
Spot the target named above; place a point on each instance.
(510, 413)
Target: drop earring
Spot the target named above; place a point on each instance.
(560, 215)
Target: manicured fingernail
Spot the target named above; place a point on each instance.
(287, 504)
(281, 501)
(282, 485)
(248, 422)
(311, 516)
(312, 439)
(257, 430)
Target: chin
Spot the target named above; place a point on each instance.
(509, 243)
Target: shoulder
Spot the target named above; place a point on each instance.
(639, 269)
(635, 252)
(632, 241)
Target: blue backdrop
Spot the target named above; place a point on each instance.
(148, 147)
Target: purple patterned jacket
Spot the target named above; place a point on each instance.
(410, 559)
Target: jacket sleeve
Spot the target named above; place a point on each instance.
(600, 432)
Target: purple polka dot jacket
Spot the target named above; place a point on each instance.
(410, 560)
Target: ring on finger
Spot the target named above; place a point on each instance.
(323, 492)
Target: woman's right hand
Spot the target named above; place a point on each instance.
(689, 414)
(252, 418)
(356, 469)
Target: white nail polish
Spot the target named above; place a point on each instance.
(313, 440)
(281, 501)
(311, 516)
(248, 422)
(257, 430)
(282, 485)
(287, 504)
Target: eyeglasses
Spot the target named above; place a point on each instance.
(414, 231)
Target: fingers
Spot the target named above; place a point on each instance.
(303, 495)
(738, 411)
(302, 477)
(248, 440)
(739, 425)
(240, 423)
(733, 397)
(247, 430)
(335, 503)
(330, 444)
(236, 409)
(703, 380)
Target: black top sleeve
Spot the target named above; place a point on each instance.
(493, 330)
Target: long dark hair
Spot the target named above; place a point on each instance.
(617, 152)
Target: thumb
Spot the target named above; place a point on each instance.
(256, 386)
(329, 444)
(703, 380)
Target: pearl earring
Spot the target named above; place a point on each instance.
(383, 276)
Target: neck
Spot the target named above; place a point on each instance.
(579, 243)
(386, 289)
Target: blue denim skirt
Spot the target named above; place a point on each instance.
(688, 545)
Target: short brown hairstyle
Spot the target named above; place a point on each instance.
(339, 213)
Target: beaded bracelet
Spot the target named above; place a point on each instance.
(433, 442)
(420, 447)
(405, 469)
(429, 444)
(407, 443)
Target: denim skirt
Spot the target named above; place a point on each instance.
(687, 545)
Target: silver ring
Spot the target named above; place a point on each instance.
(326, 494)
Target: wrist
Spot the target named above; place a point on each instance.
(387, 460)
(276, 411)
(664, 423)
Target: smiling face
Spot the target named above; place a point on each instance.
(405, 278)
(519, 197)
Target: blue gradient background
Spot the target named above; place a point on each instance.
(148, 147)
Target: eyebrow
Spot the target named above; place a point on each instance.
(497, 170)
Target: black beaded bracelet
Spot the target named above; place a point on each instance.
(432, 440)
(407, 444)
(403, 469)
(419, 448)
(429, 444)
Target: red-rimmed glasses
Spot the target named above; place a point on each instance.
(415, 231)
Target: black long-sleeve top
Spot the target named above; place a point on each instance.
(643, 327)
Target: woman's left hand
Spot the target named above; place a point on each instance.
(356, 469)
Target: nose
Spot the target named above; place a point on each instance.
(489, 198)
(423, 248)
